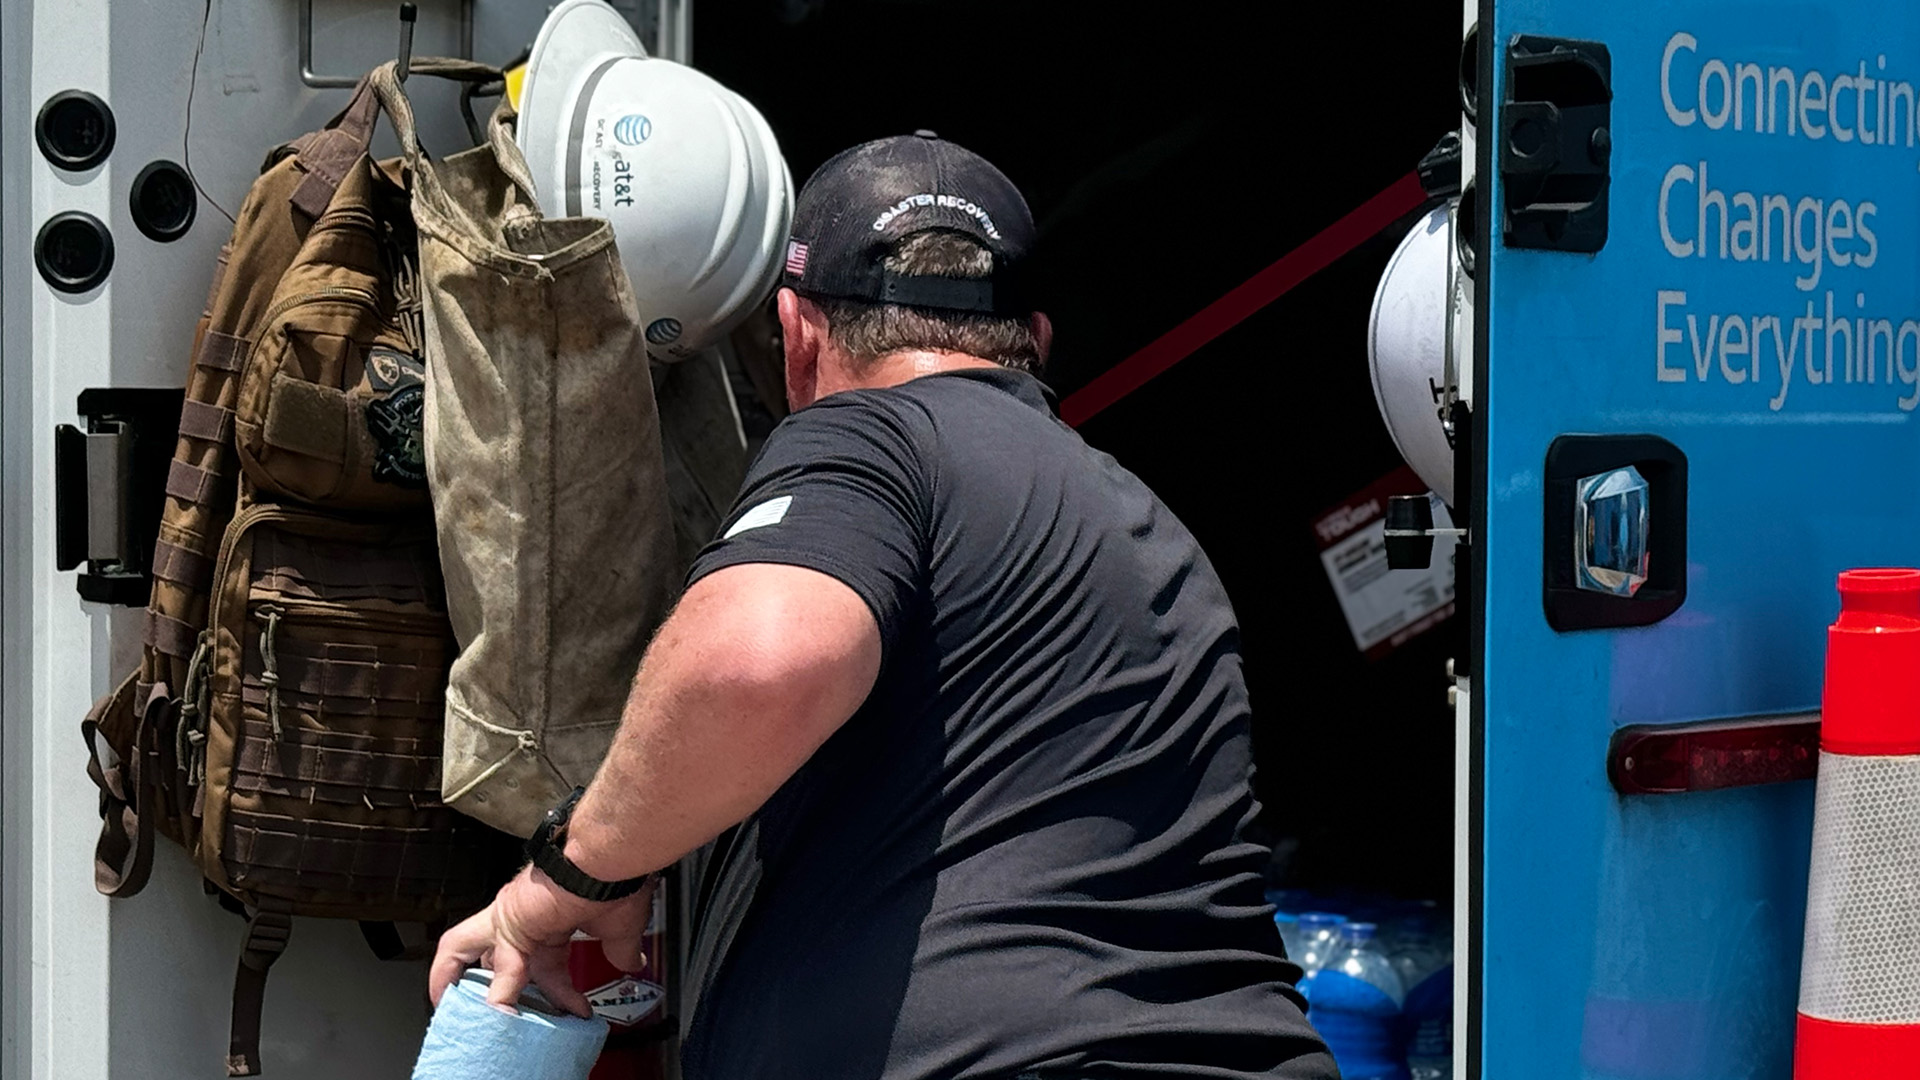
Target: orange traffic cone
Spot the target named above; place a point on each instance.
(1860, 967)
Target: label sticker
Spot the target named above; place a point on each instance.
(1384, 608)
(771, 512)
(626, 1001)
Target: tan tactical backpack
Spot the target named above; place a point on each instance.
(286, 721)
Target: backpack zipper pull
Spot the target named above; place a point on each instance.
(409, 307)
(188, 738)
(270, 667)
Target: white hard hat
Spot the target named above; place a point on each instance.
(688, 173)
(1406, 349)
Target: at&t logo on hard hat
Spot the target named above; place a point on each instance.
(633, 129)
(663, 331)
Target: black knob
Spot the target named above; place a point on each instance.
(73, 251)
(1409, 532)
(162, 201)
(75, 130)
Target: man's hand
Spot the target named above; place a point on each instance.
(524, 935)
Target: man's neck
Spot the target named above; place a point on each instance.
(898, 367)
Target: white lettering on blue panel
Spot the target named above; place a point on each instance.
(1798, 226)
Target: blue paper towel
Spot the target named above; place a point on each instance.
(471, 1040)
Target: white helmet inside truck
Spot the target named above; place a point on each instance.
(1406, 347)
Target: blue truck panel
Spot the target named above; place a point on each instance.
(1757, 303)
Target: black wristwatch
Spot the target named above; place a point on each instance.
(546, 849)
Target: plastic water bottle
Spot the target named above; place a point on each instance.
(1354, 1000)
(1424, 963)
(1289, 926)
(1288, 903)
(1319, 934)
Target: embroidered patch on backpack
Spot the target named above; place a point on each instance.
(394, 417)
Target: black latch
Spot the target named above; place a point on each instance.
(1439, 171)
(110, 486)
(1556, 143)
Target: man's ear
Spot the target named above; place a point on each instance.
(1042, 334)
(803, 329)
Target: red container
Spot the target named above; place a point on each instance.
(634, 1003)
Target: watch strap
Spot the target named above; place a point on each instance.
(546, 850)
(553, 863)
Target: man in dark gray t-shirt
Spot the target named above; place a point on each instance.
(970, 691)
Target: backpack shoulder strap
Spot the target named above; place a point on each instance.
(123, 856)
(267, 933)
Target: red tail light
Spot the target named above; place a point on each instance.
(1666, 759)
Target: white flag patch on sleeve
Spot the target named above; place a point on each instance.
(770, 512)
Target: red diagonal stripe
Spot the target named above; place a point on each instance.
(1403, 197)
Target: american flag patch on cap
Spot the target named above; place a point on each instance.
(796, 258)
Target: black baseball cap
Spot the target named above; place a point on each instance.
(863, 201)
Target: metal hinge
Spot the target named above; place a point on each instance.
(109, 487)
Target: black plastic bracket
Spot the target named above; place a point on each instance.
(1439, 170)
(1573, 457)
(1556, 144)
(110, 486)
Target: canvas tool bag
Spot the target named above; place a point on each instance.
(285, 724)
(543, 450)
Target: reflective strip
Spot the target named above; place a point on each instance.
(203, 421)
(1861, 963)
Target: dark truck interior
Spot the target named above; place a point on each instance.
(1169, 153)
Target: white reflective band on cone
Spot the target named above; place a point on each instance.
(1861, 962)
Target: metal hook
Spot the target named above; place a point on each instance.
(408, 13)
(315, 78)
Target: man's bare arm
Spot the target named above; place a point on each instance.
(758, 665)
(756, 668)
